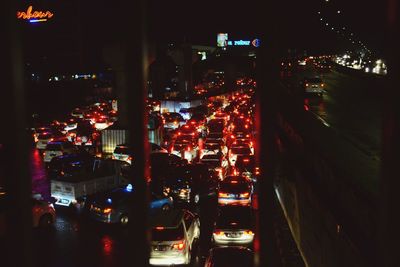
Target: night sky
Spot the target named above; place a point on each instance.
(83, 26)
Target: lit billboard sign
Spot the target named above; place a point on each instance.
(222, 39)
(255, 42)
(34, 16)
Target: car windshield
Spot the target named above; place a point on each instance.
(167, 234)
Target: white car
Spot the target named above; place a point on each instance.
(123, 152)
(43, 139)
(239, 150)
(58, 148)
(174, 235)
(101, 124)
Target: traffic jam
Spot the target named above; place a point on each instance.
(204, 153)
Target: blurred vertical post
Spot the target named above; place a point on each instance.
(131, 85)
(388, 229)
(18, 241)
(267, 79)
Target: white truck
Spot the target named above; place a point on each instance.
(101, 175)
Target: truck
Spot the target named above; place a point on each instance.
(71, 189)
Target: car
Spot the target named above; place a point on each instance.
(114, 206)
(43, 212)
(78, 113)
(189, 130)
(184, 148)
(235, 190)
(313, 86)
(191, 183)
(217, 163)
(72, 123)
(213, 147)
(174, 236)
(216, 126)
(235, 151)
(123, 152)
(215, 137)
(234, 226)
(47, 137)
(157, 148)
(39, 131)
(233, 256)
(101, 124)
(246, 165)
(58, 148)
(197, 119)
(173, 120)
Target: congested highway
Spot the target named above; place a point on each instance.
(203, 185)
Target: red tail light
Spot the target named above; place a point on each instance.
(246, 160)
(219, 233)
(179, 246)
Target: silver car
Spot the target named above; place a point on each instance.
(174, 236)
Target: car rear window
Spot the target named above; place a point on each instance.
(122, 150)
(315, 80)
(234, 188)
(241, 150)
(53, 147)
(167, 234)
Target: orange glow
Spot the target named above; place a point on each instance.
(107, 210)
(223, 195)
(29, 14)
(179, 246)
(219, 233)
(159, 228)
(245, 195)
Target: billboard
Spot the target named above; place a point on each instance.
(222, 39)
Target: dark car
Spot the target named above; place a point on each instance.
(234, 226)
(114, 206)
(188, 184)
(230, 257)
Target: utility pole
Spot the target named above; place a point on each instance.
(388, 228)
(18, 240)
(267, 79)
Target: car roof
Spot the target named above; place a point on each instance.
(171, 219)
